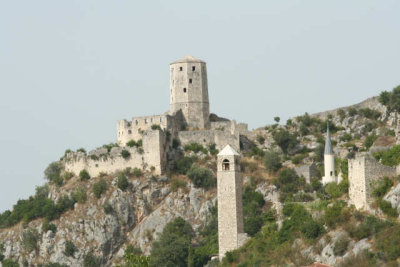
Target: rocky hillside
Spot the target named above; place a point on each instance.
(111, 220)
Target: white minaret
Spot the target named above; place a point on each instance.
(230, 215)
(329, 161)
(189, 91)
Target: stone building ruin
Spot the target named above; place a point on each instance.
(188, 121)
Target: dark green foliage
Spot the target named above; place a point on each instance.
(156, 127)
(319, 153)
(391, 99)
(272, 161)
(288, 182)
(285, 140)
(30, 240)
(10, 263)
(68, 175)
(195, 147)
(201, 177)
(389, 157)
(94, 157)
(172, 248)
(110, 146)
(344, 167)
(255, 151)
(125, 154)
(133, 143)
(213, 150)
(370, 113)
(137, 172)
(335, 190)
(335, 214)
(183, 165)
(369, 226)
(53, 173)
(133, 250)
(84, 175)
(91, 260)
(260, 139)
(298, 158)
(387, 208)
(369, 140)
(382, 187)
(135, 260)
(175, 143)
(340, 246)
(99, 188)
(54, 264)
(346, 137)
(176, 184)
(352, 112)
(108, 209)
(388, 242)
(341, 113)
(79, 195)
(70, 249)
(81, 150)
(122, 182)
(47, 226)
(312, 229)
(316, 184)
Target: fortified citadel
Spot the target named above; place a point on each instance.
(188, 121)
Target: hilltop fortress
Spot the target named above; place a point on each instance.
(188, 121)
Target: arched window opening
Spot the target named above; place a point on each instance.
(225, 165)
(184, 90)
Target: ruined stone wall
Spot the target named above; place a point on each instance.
(97, 161)
(308, 171)
(206, 137)
(230, 214)
(364, 171)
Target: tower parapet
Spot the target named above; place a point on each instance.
(189, 91)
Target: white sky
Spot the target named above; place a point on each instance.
(70, 69)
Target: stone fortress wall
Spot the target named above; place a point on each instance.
(188, 120)
(364, 171)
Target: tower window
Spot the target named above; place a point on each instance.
(190, 80)
(225, 165)
(180, 68)
(331, 173)
(184, 90)
(137, 122)
(193, 68)
(129, 132)
(145, 121)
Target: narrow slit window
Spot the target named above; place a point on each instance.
(129, 132)
(180, 68)
(190, 80)
(193, 68)
(184, 90)
(331, 173)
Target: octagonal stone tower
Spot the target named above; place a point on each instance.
(230, 215)
(189, 91)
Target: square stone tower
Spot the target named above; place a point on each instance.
(230, 214)
(189, 91)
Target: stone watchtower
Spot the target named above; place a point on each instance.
(230, 214)
(189, 91)
(329, 161)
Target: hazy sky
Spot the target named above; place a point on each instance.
(70, 69)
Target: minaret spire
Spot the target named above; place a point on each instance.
(328, 144)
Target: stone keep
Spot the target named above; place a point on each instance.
(189, 91)
(329, 161)
(230, 214)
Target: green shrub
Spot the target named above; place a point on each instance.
(370, 113)
(285, 140)
(30, 240)
(335, 214)
(388, 242)
(84, 175)
(255, 151)
(333, 190)
(176, 184)
(79, 195)
(312, 229)
(122, 182)
(53, 173)
(91, 260)
(288, 182)
(54, 264)
(10, 263)
(172, 247)
(137, 172)
(340, 246)
(47, 226)
(81, 150)
(298, 158)
(94, 157)
(382, 187)
(260, 139)
(272, 161)
(175, 143)
(369, 140)
(110, 146)
(125, 154)
(387, 208)
(346, 137)
(196, 148)
(368, 227)
(136, 260)
(99, 188)
(183, 165)
(156, 127)
(108, 209)
(70, 249)
(68, 175)
(213, 150)
(133, 143)
(201, 177)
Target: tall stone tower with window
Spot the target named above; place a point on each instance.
(189, 91)
(230, 215)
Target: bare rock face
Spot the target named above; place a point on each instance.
(393, 196)
(136, 217)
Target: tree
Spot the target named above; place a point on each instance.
(272, 161)
(84, 175)
(201, 177)
(53, 173)
(172, 248)
(99, 188)
(125, 154)
(70, 249)
(277, 119)
(122, 182)
(285, 140)
(391, 99)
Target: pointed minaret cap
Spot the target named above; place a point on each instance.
(228, 151)
(328, 144)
